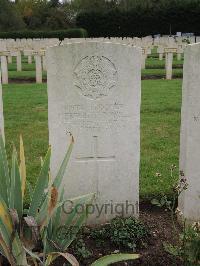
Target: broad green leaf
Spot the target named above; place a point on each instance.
(22, 167)
(107, 260)
(4, 172)
(41, 185)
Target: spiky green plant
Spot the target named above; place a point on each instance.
(20, 229)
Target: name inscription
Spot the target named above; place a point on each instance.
(98, 116)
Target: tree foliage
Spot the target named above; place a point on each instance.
(102, 17)
(9, 16)
(141, 18)
(42, 14)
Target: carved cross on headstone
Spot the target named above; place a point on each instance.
(96, 158)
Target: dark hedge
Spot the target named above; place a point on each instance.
(61, 34)
(142, 22)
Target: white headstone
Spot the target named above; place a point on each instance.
(4, 68)
(169, 62)
(94, 92)
(10, 59)
(29, 59)
(180, 51)
(38, 66)
(189, 202)
(44, 65)
(160, 51)
(19, 61)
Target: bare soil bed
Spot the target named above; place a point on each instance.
(160, 226)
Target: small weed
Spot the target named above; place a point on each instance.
(125, 233)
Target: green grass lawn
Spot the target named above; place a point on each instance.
(155, 67)
(160, 127)
(24, 74)
(160, 73)
(156, 63)
(28, 70)
(25, 111)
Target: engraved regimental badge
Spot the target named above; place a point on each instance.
(95, 77)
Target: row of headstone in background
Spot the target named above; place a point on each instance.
(39, 58)
(37, 44)
(37, 47)
(31, 48)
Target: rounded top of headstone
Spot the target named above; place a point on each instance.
(95, 76)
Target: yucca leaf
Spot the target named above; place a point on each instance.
(71, 225)
(56, 184)
(53, 200)
(54, 224)
(4, 172)
(54, 255)
(18, 251)
(30, 189)
(22, 167)
(12, 182)
(6, 251)
(42, 216)
(41, 185)
(61, 172)
(45, 200)
(33, 255)
(107, 260)
(18, 199)
(75, 219)
(9, 235)
(6, 228)
(50, 208)
(57, 216)
(34, 228)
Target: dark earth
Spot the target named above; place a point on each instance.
(159, 224)
(161, 230)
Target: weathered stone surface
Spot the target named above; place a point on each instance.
(94, 93)
(189, 202)
(4, 68)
